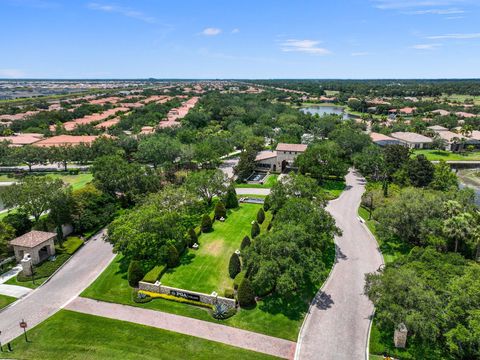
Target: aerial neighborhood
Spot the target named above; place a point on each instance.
(254, 180)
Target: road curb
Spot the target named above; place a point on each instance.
(367, 347)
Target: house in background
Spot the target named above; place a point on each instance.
(281, 159)
(412, 140)
(383, 140)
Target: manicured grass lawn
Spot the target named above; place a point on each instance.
(28, 284)
(71, 335)
(333, 188)
(206, 269)
(6, 300)
(271, 316)
(391, 249)
(269, 182)
(437, 155)
(76, 181)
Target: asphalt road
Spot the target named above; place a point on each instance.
(67, 284)
(339, 318)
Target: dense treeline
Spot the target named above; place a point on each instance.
(385, 87)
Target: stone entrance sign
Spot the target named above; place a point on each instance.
(400, 336)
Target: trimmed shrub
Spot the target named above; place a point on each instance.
(245, 242)
(231, 201)
(229, 293)
(255, 230)
(260, 216)
(192, 237)
(155, 274)
(269, 227)
(245, 295)
(206, 224)
(234, 266)
(173, 258)
(135, 273)
(220, 210)
(238, 279)
(266, 203)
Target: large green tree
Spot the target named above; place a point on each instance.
(207, 184)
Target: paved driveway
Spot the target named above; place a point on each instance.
(42, 303)
(339, 317)
(14, 290)
(252, 191)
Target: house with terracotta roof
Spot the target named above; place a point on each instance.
(463, 114)
(17, 140)
(39, 246)
(282, 159)
(64, 140)
(383, 140)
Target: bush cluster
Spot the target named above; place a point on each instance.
(135, 273)
(155, 274)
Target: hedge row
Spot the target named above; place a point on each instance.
(155, 274)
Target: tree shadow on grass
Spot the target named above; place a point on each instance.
(187, 258)
(293, 309)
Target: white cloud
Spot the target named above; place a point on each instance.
(235, 31)
(360, 53)
(410, 4)
(426, 46)
(11, 73)
(305, 46)
(452, 11)
(455, 36)
(210, 31)
(128, 12)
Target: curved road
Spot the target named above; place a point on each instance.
(337, 324)
(68, 282)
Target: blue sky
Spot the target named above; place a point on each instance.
(240, 39)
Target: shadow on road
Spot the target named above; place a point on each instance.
(323, 301)
(340, 255)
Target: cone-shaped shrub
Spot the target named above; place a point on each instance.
(260, 216)
(255, 230)
(173, 258)
(135, 273)
(245, 243)
(245, 295)
(206, 223)
(234, 266)
(231, 201)
(192, 237)
(220, 210)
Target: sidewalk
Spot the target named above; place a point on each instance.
(184, 325)
(10, 274)
(14, 290)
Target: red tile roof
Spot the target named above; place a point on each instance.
(32, 238)
(291, 147)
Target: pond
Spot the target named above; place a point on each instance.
(327, 110)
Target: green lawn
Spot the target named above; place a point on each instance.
(333, 188)
(271, 316)
(206, 269)
(437, 155)
(269, 182)
(76, 181)
(391, 249)
(6, 300)
(71, 335)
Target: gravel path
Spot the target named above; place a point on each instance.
(338, 322)
(184, 325)
(65, 285)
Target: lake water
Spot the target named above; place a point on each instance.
(327, 110)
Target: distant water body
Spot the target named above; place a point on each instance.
(327, 110)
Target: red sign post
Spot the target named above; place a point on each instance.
(24, 325)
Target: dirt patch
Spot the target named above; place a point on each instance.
(214, 248)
